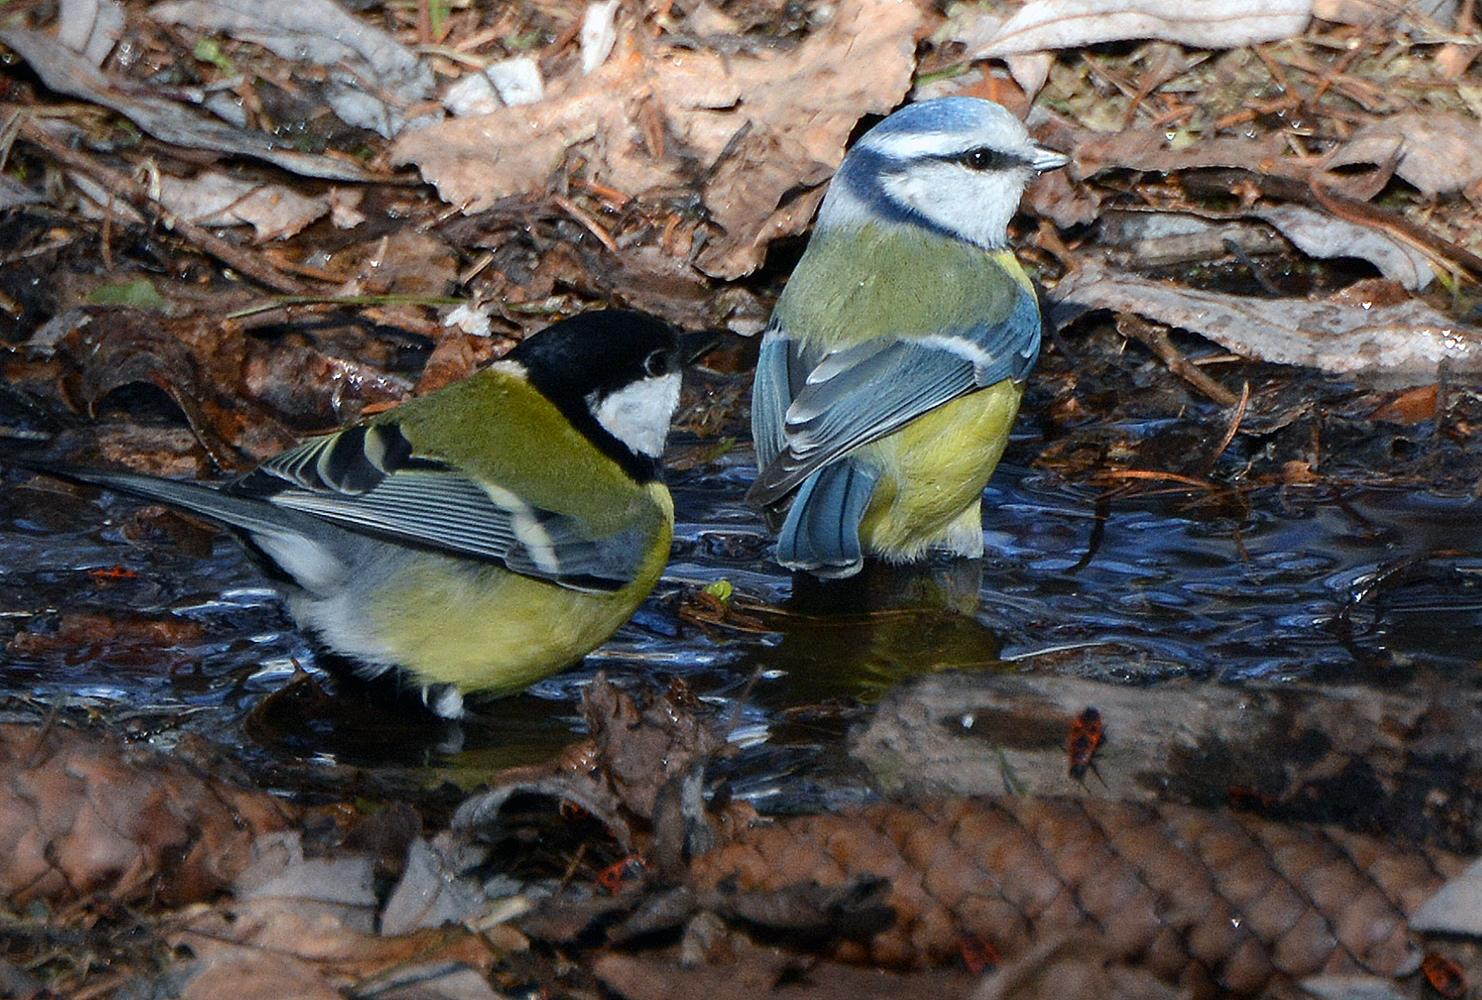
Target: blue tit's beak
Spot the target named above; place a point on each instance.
(1046, 158)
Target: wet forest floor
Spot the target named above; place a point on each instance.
(1237, 519)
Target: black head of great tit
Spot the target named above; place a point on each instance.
(483, 536)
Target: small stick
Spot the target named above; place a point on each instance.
(1156, 338)
(135, 194)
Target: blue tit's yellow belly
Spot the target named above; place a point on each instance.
(932, 475)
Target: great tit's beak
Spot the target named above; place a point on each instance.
(695, 344)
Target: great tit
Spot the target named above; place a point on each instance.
(480, 537)
(893, 365)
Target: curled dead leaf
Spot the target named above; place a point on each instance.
(82, 814)
(751, 129)
(1066, 24)
(1408, 341)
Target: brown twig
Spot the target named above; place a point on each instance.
(1123, 476)
(1156, 339)
(1234, 428)
(1330, 75)
(137, 195)
(591, 225)
(1309, 192)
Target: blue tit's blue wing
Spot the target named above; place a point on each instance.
(862, 393)
(368, 479)
(771, 394)
(821, 532)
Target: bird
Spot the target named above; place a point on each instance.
(892, 367)
(478, 538)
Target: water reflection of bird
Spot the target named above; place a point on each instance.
(480, 537)
(892, 369)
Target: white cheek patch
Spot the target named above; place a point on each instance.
(638, 415)
(976, 206)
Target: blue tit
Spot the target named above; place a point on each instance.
(480, 537)
(892, 368)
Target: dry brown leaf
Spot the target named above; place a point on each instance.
(1438, 153)
(82, 814)
(1145, 240)
(435, 886)
(212, 198)
(193, 360)
(1379, 148)
(641, 748)
(237, 392)
(167, 120)
(1409, 341)
(286, 929)
(373, 78)
(1068, 24)
(454, 357)
(1148, 149)
(244, 974)
(652, 280)
(1413, 407)
(135, 638)
(90, 27)
(751, 127)
(1319, 234)
(1395, 15)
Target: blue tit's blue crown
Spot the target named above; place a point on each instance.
(955, 166)
(956, 115)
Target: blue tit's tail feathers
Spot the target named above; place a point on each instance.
(821, 533)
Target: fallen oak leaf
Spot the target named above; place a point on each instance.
(82, 814)
(193, 360)
(752, 129)
(1410, 340)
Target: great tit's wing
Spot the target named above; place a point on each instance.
(859, 394)
(369, 479)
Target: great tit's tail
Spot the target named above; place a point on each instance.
(290, 545)
(821, 533)
(247, 514)
(266, 526)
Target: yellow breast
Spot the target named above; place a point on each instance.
(932, 475)
(489, 630)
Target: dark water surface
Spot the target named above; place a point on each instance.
(1351, 584)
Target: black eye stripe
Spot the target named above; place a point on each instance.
(986, 158)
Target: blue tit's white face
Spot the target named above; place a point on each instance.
(957, 164)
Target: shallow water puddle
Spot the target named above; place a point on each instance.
(1357, 585)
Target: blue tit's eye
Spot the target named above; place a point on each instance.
(656, 364)
(984, 158)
